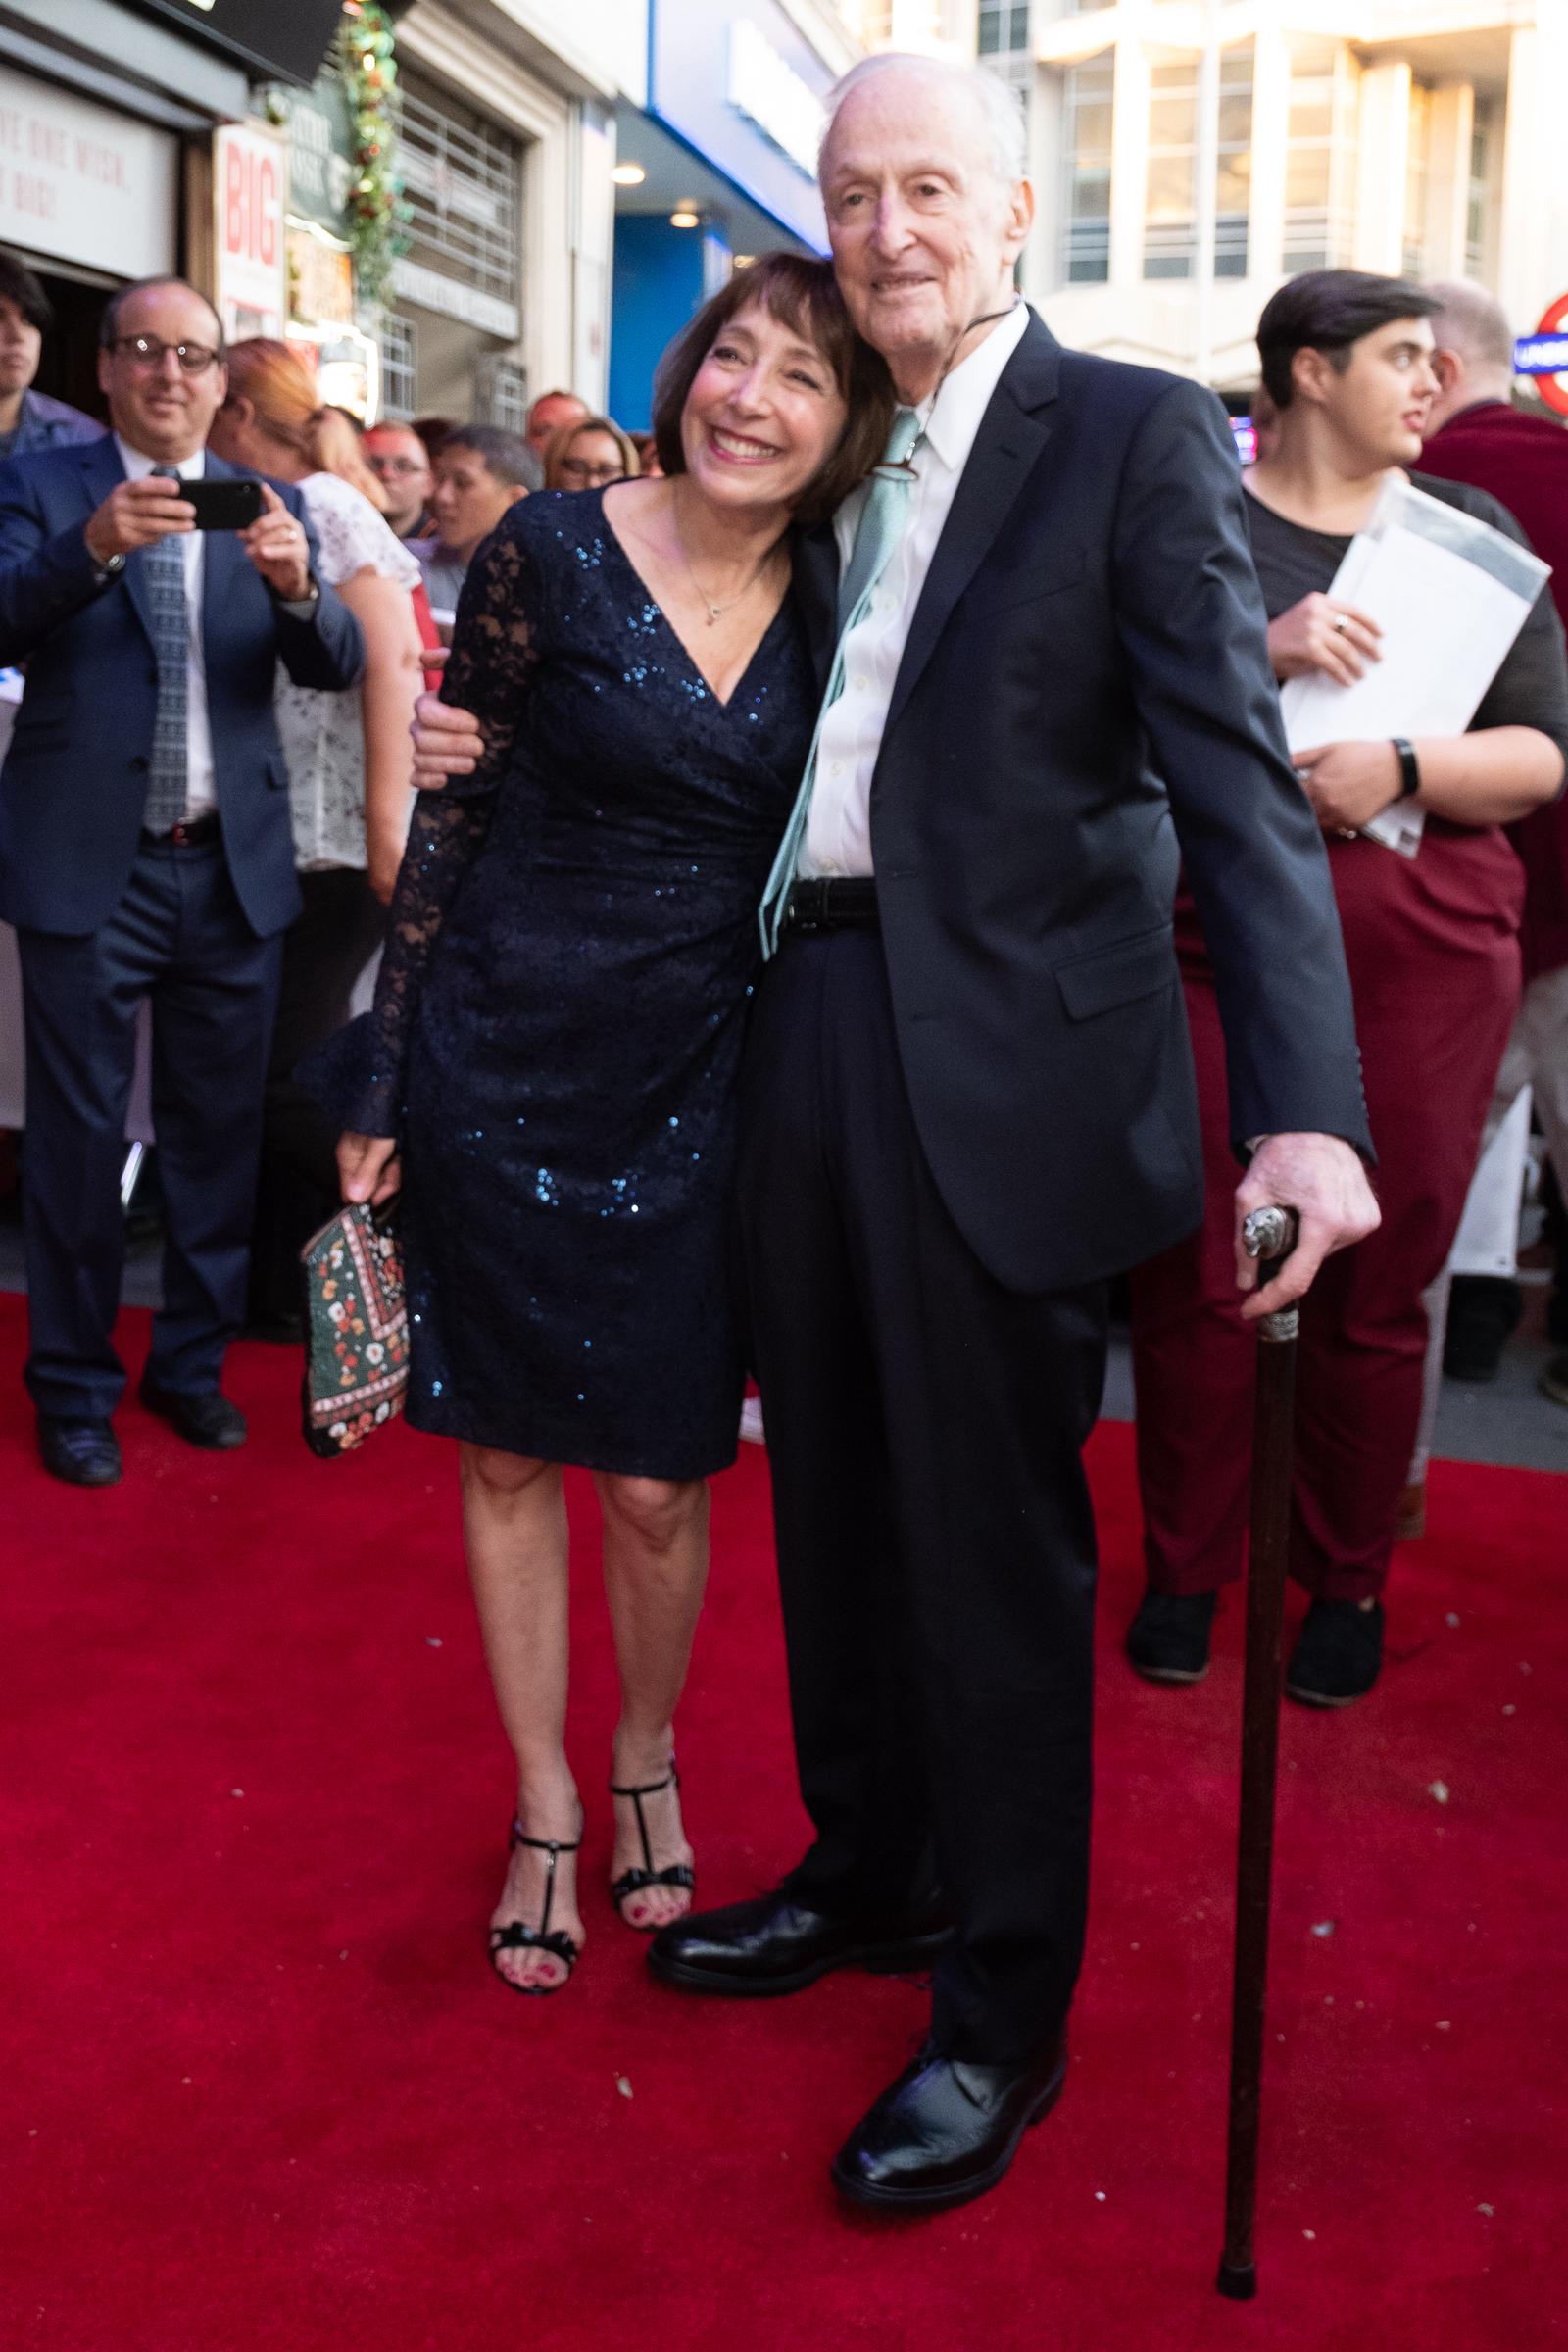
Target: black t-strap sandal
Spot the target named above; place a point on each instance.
(516, 1936)
(632, 1881)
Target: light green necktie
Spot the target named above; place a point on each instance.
(882, 522)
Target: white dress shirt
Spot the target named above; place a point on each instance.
(201, 789)
(838, 830)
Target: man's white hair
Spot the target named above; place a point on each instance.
(1000, 107)
(1472, 322)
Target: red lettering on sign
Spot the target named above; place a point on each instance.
(253, 207)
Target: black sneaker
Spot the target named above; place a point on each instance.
(1483, 1311)
(1338, 1654)
(1167, 1641)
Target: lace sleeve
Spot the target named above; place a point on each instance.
(494, 655)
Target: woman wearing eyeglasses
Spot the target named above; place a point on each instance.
(590, 456)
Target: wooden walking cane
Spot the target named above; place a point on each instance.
(1268, 1235)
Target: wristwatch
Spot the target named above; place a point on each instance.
(109, 569)
(301, 607)
(1409, 767)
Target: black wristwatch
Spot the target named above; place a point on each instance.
(1409, 767)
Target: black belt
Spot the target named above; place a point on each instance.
(828, 901)
(191, 833)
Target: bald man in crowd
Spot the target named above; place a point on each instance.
(1520, 456)
(550, 412)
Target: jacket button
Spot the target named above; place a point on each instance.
(140, 762)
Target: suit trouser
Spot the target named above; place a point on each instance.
(1435, 971)
(342, 925)
(178, 937)
(935, 1535)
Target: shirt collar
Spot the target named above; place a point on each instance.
(137, 467)
(951, 417)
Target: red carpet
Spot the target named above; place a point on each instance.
(261, 2090)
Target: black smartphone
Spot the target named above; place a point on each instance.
(223, 506)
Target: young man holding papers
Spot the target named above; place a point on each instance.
(1432, 942)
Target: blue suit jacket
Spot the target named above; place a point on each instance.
(75, 784)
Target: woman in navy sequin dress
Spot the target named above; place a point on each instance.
(557, 1039)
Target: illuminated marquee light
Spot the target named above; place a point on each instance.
(769, 93)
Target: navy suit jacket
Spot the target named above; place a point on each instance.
(74, 783)
(1085, 701)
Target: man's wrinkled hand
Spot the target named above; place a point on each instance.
(447, 742)
(1323, 1180)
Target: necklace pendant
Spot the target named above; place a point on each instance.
(715, 613)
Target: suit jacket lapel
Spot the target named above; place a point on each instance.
(1013, 431)
(101, 473)
(816, 581)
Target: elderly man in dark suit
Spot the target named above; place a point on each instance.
(968, 1098)
(145, 852)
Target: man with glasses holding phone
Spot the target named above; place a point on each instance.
(145, 852)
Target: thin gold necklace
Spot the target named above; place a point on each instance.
(714, 612)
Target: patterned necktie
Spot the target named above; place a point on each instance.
(882, 522)
(169, 777)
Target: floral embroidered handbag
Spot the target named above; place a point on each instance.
(356, 1328)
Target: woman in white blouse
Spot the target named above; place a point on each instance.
(347, 757)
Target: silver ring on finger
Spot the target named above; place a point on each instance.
(1342, 622)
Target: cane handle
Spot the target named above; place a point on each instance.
(1269, 1235)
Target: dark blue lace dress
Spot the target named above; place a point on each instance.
(558, 1024)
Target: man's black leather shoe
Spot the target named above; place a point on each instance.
(84, 1454)
(206, 1420)
(775, 1944)
(945, 2131)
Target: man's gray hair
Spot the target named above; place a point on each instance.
(999, 103)
(1473, 323)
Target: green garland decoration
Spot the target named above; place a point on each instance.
(378, 210)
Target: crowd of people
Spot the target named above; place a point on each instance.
(848, 898)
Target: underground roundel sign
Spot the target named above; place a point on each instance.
(1545, 355)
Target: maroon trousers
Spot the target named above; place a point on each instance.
(1431, 945)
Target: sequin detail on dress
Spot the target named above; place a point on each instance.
(561, 1010)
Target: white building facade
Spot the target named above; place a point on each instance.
(1421, 136)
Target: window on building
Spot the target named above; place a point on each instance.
(1003, 27)
(464, 179)
(1481, 209)
(1233, 166)
(503, 397)
(1412, 252)
(397, 368)
(1086, 108)
(1170, 227)
(1320, 157)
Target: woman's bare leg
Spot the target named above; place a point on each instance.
(514, 1528)
(655, 1566)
